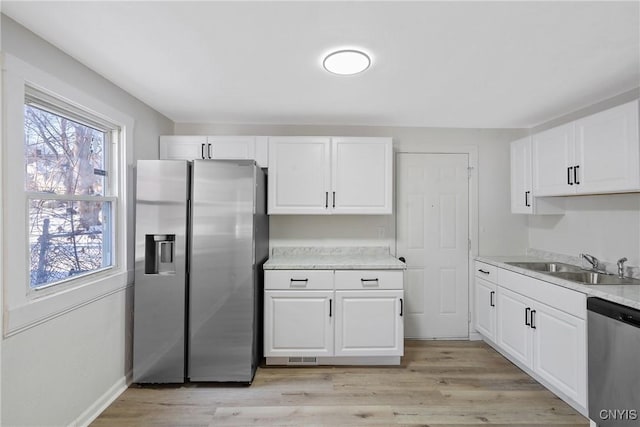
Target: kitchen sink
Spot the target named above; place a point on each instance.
(575, 273)
(547, 267)
(593, 278)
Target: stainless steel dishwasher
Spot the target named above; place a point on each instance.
(614, 363)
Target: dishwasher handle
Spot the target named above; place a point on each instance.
(614, 311)
(628, 318)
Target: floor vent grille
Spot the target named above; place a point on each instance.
(303, 360)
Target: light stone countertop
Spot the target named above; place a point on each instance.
(628, 295)
(332, 258)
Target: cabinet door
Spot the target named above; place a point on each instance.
(607, 150)
(230, 147)
(560, 349)
(298, 323)
(513, 334)
(485, 298)
(552, 153)
(299, 170)
(183, 147)
(369, 323)
(521, 197)
(361, 175)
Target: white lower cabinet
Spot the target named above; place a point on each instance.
(298, 323)
(559, 343)
(333, 314)
(369, 323)
(542, 328)
(514, 326)
(485, 308)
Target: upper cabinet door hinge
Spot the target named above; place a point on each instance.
(469, 171)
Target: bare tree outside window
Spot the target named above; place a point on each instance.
(66, 178)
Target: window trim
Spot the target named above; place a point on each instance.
(21, 310)
(61, 108)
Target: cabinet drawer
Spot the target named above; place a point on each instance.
(368, 279)
(298, 279)
(486, 271)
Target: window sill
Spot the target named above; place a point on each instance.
(39, 310)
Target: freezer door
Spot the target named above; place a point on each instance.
(222, 284)
(160, 271)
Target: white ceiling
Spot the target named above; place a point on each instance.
(442, 64)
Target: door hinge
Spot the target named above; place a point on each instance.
(469, 244)
(469, 171)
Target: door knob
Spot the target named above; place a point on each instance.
(402, 259)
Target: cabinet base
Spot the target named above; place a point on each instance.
(317, 361)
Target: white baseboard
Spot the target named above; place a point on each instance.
(474, 336)
(109, 396)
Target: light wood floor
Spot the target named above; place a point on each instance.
(440, 383)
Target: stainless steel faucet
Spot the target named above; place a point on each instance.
(620, 263)
(591, 260)
(595, 263)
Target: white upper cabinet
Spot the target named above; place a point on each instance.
(552, 156)
(299, 172)
(183, 147)
(361, 175)
(595, 154)
(521, 197)
(192, 147)
(607, 151)
(322, 175)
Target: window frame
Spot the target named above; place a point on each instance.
(111, 146)
(22, 308)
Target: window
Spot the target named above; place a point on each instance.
(70, 188)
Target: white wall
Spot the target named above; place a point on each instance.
(54, 372)
(500, 232)
(607, 226)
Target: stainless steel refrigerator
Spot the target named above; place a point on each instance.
(201, 241)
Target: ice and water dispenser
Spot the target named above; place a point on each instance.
(160, 254)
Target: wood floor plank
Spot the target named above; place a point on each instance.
(439, 383)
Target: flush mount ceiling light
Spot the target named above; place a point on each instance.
(346, 62)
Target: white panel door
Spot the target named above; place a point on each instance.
(513, 333)
(183, 147)
(299, 174)
(361, 175)
(485, 308)
(369, 323)
(560, 351)
(521, 197)
(432, 234)
(552, 153)
(607, 150)
(298, 323)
